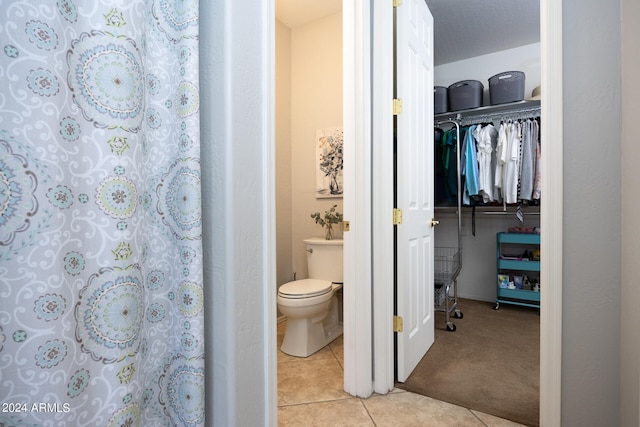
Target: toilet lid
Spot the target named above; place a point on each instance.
(305, 288)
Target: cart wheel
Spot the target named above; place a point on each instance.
(457, 314)
(451, 327)
(497, 306)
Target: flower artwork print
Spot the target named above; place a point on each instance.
(329, 163)
(101, 283)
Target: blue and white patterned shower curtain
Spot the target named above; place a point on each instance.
(101, 293)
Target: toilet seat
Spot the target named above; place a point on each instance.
(305, 288)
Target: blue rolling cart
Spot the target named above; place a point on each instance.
(511, 264)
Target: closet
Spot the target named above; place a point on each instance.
(497, 151)
(499, 175)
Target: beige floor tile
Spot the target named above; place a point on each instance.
(409, 409)
(491, 421)
(310, 393)
(343, 413)
(337, 348)
(310, 381)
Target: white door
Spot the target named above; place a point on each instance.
(414, 191)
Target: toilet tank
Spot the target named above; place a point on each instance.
(324, 259)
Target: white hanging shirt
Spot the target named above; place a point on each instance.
(486, 137)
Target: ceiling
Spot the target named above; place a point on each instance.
(462, 28)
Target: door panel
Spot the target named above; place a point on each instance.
(414, 183)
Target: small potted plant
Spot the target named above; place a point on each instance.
(330, 217)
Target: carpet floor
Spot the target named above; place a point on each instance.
(491, 363)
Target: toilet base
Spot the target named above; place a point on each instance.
(305, 336)
(309, 341)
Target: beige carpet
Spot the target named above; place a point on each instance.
(491, 363)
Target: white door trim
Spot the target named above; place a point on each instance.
(382, 203)
(551, 214)
(357, 207)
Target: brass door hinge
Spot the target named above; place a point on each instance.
(397, 324)
(346, 226)
(397, 106)
(397, 3)
(397, 216)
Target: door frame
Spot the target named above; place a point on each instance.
(377, 355)
(371, 278)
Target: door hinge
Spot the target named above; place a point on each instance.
(397, 3)
(346, 226)
(397, 216)
(397, 324)
(397, 106)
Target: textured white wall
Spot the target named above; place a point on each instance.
(630, 319)
(592, 213)
(284, 178)
(316, 103)
(237, 112)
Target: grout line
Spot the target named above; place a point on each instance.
(364, 405)
(477, 417)
(348, 397)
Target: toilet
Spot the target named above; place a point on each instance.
(312, 306)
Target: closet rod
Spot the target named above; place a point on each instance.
(454, 211)
(520, 109)
(480, 118)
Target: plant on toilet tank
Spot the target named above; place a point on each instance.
(329, 218)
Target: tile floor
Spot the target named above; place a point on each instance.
(310, 393)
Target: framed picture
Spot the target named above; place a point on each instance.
(329, 163)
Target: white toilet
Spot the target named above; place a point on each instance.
(311, 305)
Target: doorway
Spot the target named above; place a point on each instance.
(374, 313)
(308, 98)
(358, 15)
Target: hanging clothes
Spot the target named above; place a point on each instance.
(440, 192)
(486, 140)
(537, 181)
(449, 155)
(511, 166)
(470, 166)
(497, 164)
(528, 165)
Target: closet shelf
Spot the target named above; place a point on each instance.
(488, 210)
(491, 111)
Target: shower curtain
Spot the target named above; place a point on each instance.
(101, 288)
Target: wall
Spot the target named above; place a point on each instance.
(237, 116)
(482, 68)
(591, 300)
(477, 279)
(284, 193)
(316, 103)
(630, 297)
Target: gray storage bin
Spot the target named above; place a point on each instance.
(465, 94)
(440, 101)
(506, 87)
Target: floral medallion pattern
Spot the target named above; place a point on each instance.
(20, 175)
(183, 390)
(102, 306)
(107, 79)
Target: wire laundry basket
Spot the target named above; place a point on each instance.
(446, 264)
